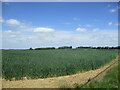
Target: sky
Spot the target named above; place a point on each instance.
(54, 24)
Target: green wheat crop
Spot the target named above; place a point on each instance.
(49, 63)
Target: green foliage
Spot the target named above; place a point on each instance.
(48, 48)
(30, 49)
(118, 47)
(65, 47)
(49, 63)
(64, 87)
(76, 85)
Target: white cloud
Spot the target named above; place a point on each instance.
(1, 20)
(13, 22)
(8, 36)
(96, 37)
(8, 31)
(12, 35)
(112, 10)
(117, 24)
(96, 29)
(11, 32)
(81, 30)
(42, 29)
(88, 25)
(19, 26)
(62, 38)
(110, 23)
(75, 19)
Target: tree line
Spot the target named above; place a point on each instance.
(70, 47)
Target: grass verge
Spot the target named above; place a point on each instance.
(110, 80)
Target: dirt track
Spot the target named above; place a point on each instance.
(56, 82)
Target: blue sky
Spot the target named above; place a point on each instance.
(45, 24)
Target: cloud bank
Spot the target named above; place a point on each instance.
(42, 29)
(26, 37)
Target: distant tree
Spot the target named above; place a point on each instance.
(65, 47)
(30, 49)
(106, 47)
(118, 47)
(47, 48)
(70, 47)
(98, 47)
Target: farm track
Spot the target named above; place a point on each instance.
(56, 82)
